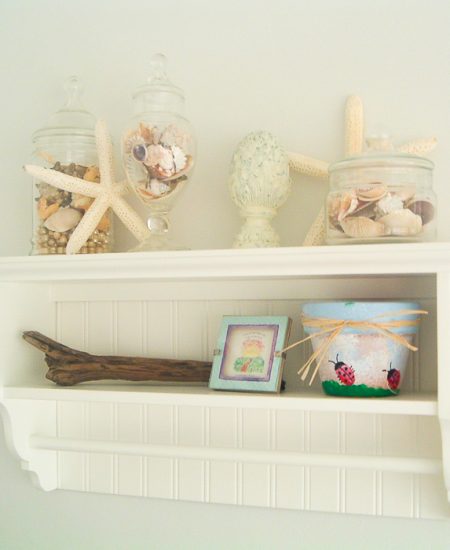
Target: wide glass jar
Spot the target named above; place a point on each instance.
(67, 144)
(381, 197)
(158, 151)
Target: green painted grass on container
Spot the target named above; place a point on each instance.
(334, 388)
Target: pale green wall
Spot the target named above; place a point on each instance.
(33, 520)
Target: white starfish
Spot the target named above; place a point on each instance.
(106, 194)
(354, 143)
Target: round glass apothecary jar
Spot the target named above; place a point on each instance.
(158, 151)
(381, 197)
(67, 144)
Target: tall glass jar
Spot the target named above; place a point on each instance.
(67, 144)
(158, 151)
(381, 197)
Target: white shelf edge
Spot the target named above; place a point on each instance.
(404, 404)
(414, 258)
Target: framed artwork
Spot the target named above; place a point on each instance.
(248, 355)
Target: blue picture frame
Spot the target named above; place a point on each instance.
(248, 355)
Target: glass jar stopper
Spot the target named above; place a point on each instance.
(72, 118)
(159, 93)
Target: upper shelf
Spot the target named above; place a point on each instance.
(372, 259)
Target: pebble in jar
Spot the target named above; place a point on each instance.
(67, 145)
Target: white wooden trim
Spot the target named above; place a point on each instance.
(230, 264)
(307, 400)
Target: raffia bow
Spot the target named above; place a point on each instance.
(333, 327)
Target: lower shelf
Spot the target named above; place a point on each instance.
(297, 450)
(419, 404)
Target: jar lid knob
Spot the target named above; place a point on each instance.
(158, 69)
(74, 90)
(379, 142)
(72, 119)
(158, 93)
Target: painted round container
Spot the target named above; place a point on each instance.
(363, 362)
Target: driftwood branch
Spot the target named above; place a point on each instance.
(68, 366)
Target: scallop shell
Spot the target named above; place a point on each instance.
(402, 223)
(373, 192)
(63, 220)
(361, 227)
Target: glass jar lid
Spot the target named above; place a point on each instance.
(378, 159)
(158, 94)
(72, 119)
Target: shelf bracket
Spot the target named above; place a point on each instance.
(19, 418)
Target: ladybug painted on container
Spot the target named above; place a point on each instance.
(393, 377)
(344, 372)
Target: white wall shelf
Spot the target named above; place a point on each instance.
(231, 264)
(298, 450)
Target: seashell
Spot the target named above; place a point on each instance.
(104, 223)
(179, 158)
(47, 191)
(45, 210)
(131, 139)
(139, 152)
(389, 203)
(181, 173)
(406, 193)
(81, 201)
(63, 220)
(145, 132)
(92, 174)
(422, 208)
(361, 227)
(373, 192)
(160, 159)
(366, 209)
(402, 223)
(348, 204)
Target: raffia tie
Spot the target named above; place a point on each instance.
(334, 327)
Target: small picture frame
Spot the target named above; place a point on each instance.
(249, 355)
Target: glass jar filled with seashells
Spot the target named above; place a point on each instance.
(381, 197)
(67, 145)
(158, 151)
